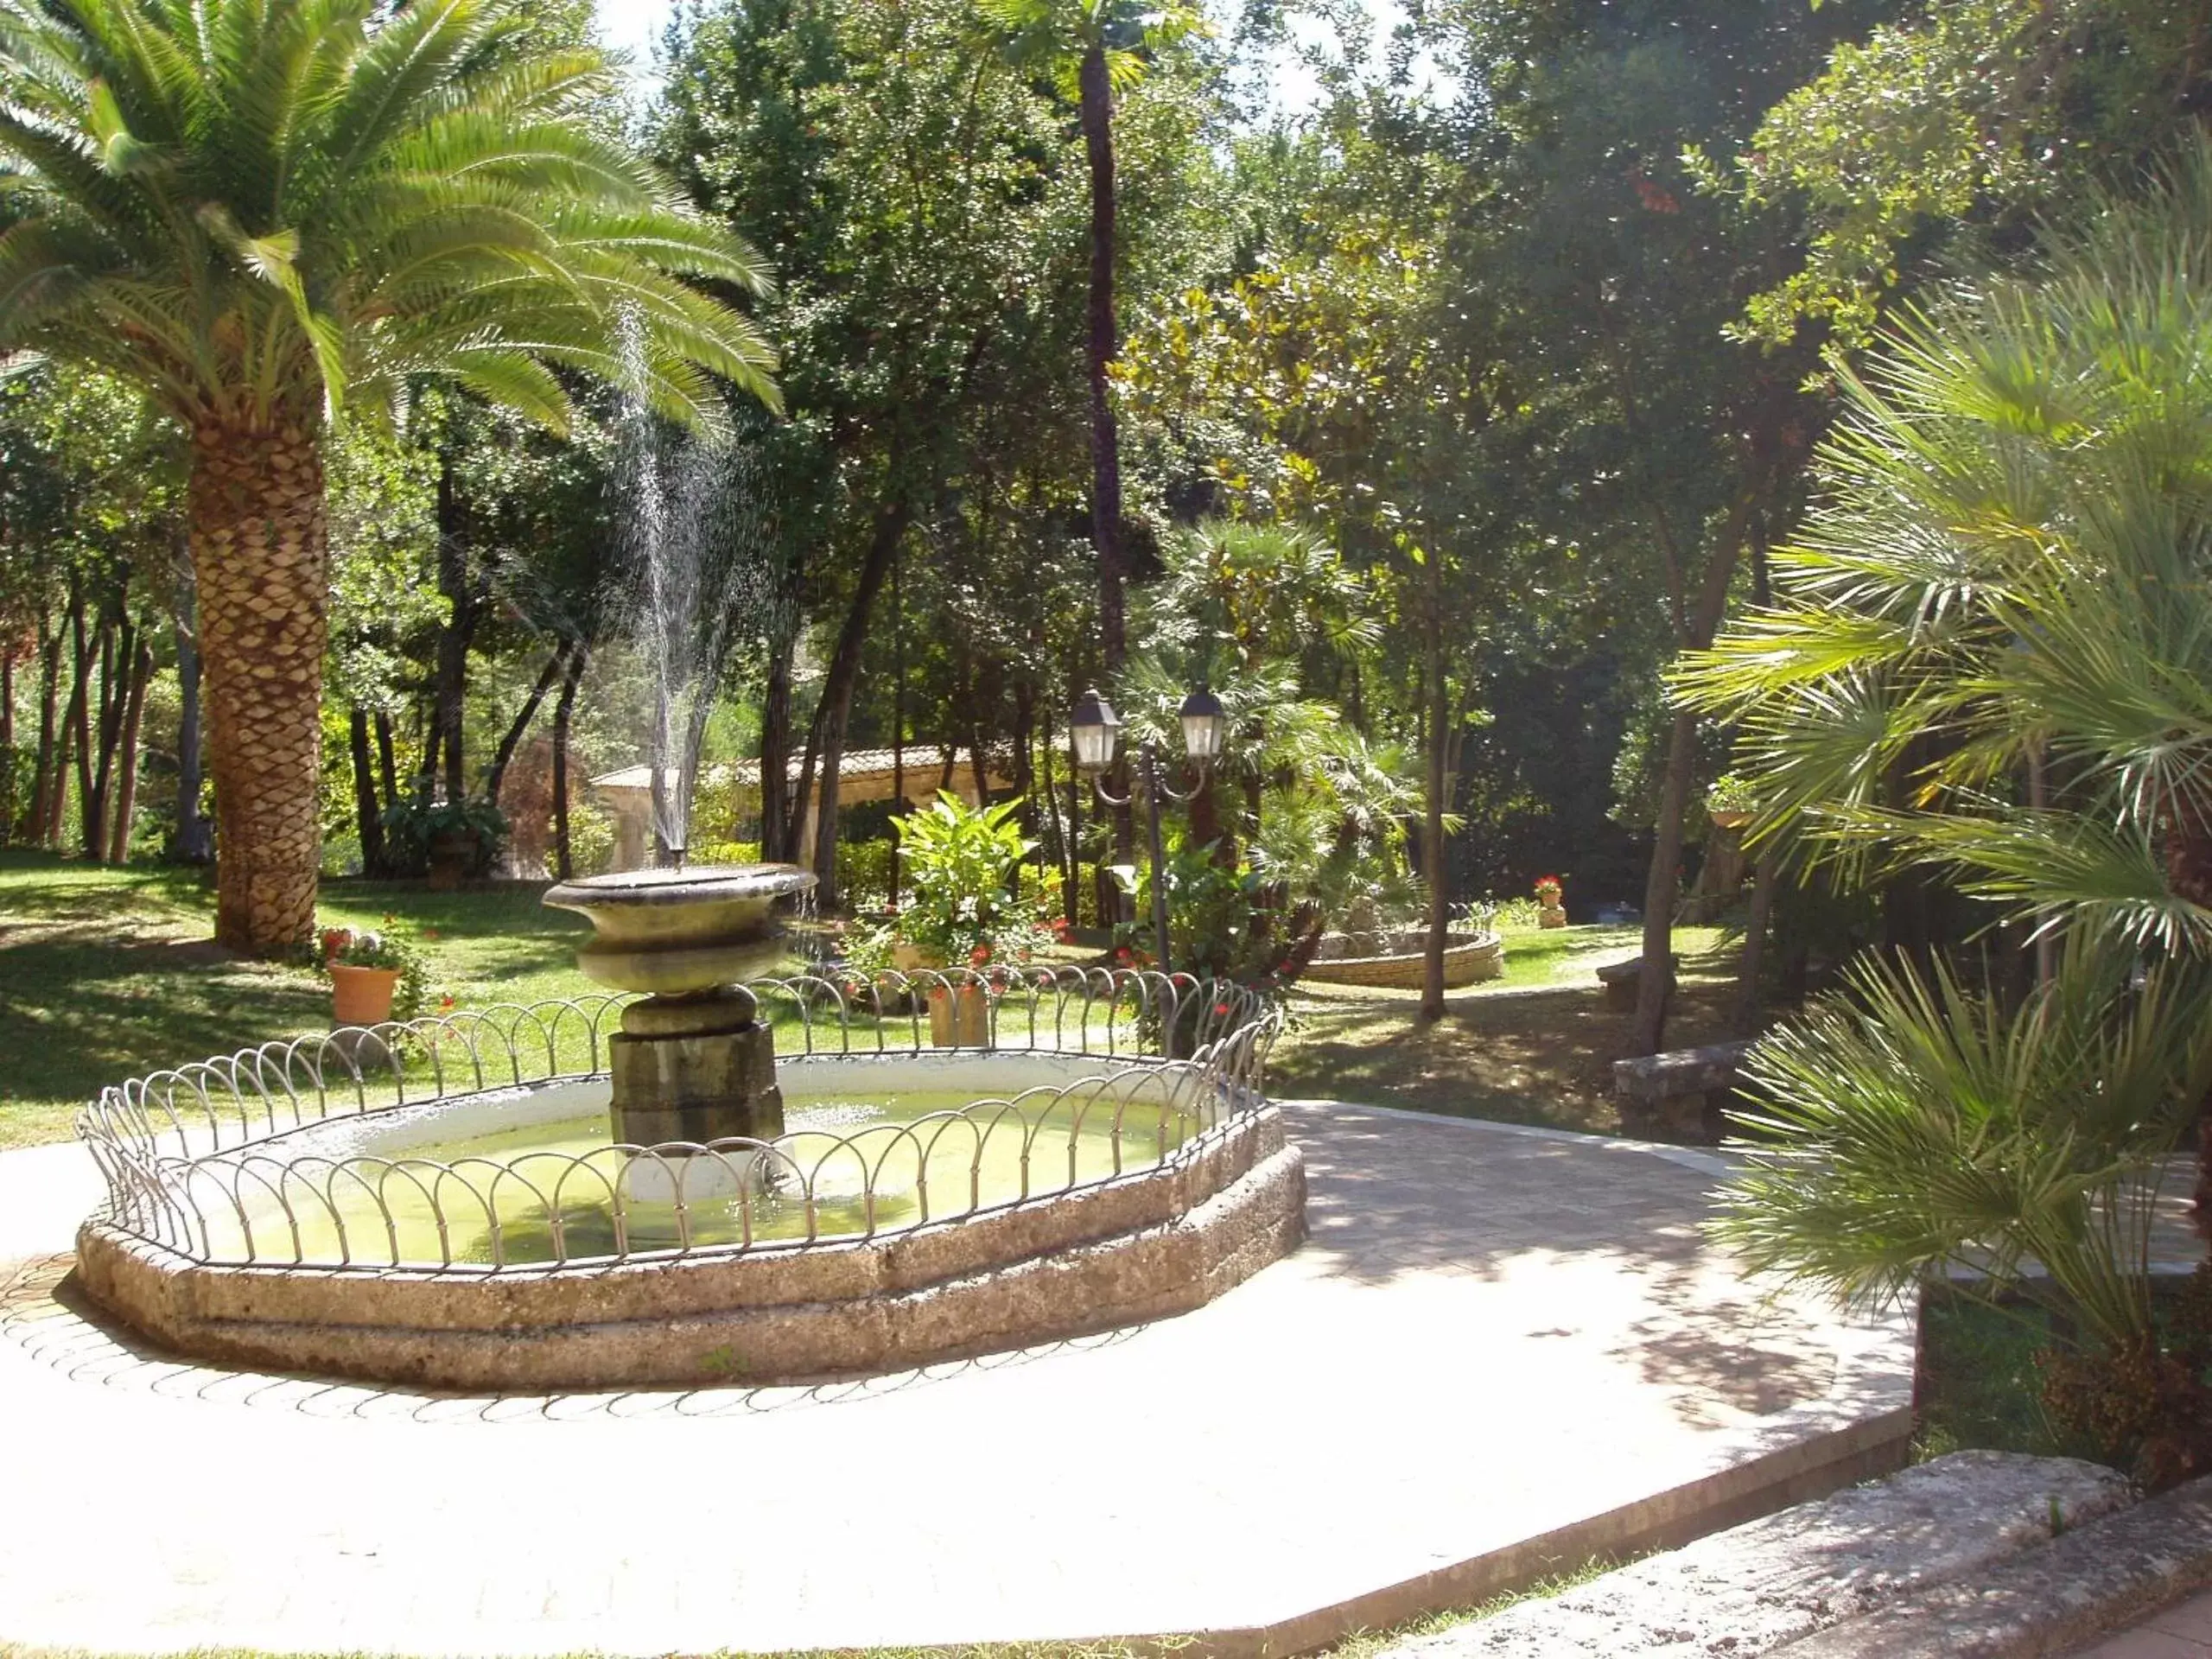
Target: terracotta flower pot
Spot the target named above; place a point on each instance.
(1727, 820)
(960, 1016)
(361, 996)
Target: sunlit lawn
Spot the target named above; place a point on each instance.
(1536, 1047)
(108, 973)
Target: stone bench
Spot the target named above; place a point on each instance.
(1683, 1090)
(1621, 980)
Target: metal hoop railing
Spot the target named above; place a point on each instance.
(209, 1161)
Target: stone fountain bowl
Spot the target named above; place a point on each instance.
(681, 932)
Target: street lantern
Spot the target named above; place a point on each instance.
(1097, 732)
(1205, 726)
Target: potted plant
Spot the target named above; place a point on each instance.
(1730, 803)
(1551, 901)
(962, 917)
(463, 839)
(371, 975)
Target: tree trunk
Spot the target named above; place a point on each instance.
(47, 779)
(8, 765)
(1748, 1001)
(837, 694)
(118, 639)
(450, 684)
(506, 753)
(776, 825)
(563, 865)
(194, 837)
(76, 724)
(127, 786)
(1432, 825)
(1097, 108)
(259, 552)
(387, 762)
(368, 815)
(1656, 981)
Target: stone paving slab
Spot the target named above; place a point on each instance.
(1502, 1351)
(2051, 1600)
(1753, 1588)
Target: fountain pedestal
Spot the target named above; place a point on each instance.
(695, 1068)
(691, 1062)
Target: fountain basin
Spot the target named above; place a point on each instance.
(1064, 1190)
(681, 932)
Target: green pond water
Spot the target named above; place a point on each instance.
(559, 1191)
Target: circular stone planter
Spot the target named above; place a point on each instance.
(1468, 958)
(1176, 1222)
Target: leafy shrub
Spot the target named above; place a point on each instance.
(864, 872)
(961, 910)
(410, 829)
(723, 852)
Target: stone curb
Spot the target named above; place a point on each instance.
(2051, 1600)
(1756, 1588)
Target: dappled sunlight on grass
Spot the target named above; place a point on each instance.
(1534, 1047)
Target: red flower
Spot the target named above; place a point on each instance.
(979, 956)
(1220, 1009)
(429, 932)
(1122, 953)
(336, 939)
(445, 1003)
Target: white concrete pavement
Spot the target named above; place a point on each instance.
(1503, 1350)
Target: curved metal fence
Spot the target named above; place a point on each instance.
(219, 1161)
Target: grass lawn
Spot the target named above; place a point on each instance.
(1536, 1047)
(106, 974)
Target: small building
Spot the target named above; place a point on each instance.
(862, 775)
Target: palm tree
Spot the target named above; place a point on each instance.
(1991, 655)
(268, 216)
(1094, 48)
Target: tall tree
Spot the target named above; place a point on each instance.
(264, 215)
(1095, 48)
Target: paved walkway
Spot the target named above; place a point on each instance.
(1493, 1334)
(2180, 1632)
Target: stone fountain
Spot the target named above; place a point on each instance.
(691, 1062)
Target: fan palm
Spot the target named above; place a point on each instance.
(1992, 653)
(268, 215)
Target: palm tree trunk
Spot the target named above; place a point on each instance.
(259, 552)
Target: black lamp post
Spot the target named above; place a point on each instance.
(1097, 732)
